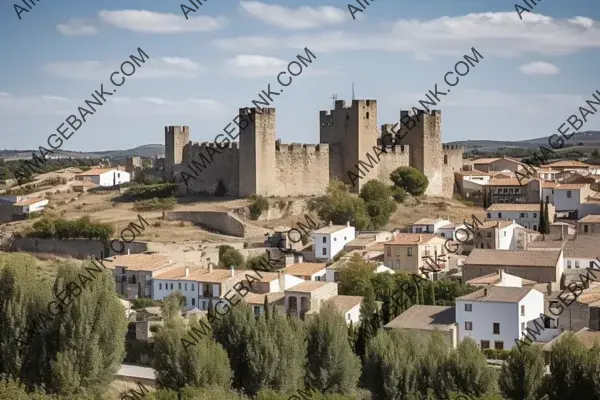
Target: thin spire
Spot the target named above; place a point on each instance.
(334, 98)
(352, 90)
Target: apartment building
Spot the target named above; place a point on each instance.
(511, 190)
(496, 235)
(409, 252)
(134, 273)
(307, 271)
(525, 214)
(308, 297)
(330, 240)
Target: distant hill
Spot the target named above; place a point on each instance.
(588, 138)
(146, 151)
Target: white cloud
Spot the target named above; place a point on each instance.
(500, 34)
(153, 22)
(300, 18)
(539, 68)
(57, 105)
(254, 66)
(166, 67)
(77, 27)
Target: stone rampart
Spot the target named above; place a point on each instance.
(219, 221)
(76, 248)
(302, 169)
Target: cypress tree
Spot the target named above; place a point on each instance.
(422, 292)
(417, 294)
(522, 375)
(385, 309)
(266, 307)
(546, 218)
(432, 293)
(541, 224)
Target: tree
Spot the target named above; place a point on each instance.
(355, 277)
(232, 258)
(340, 206)
(522, 375)
(432, 293)
(331, 365)
(469, 370)
(431, 367)
(365, 330)
(410, 179)
(266, 308)
(568, 368)
(546, 218)
(542, 223)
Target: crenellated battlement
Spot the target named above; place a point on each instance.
(230, 145)
(177, 130)
(452, 147)
(256, 111)
(302, 148)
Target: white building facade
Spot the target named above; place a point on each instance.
(330, 240)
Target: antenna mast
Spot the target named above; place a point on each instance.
(334, 98)
(352, 90)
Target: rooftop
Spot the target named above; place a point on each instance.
(429, 221)
(567, 164)
(307, 287)
(586, 335)
(259, 298)
(508, 182)
(514, 207)
(472, 173)
(581, 246)
(425, 318)
(497, 294)
(411, 238)
(526, 258)
(495, 223)
(590, 219)
(96, 171)
(484, 161)
(330, 229)
(346, 303)
(304, 269)
(494, 279)
(28, 202)
(141, 262)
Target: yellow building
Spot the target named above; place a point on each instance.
(408, 252)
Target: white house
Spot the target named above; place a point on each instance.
(429, 225)
(496, 234)
(349, 307)
(455, 232)
(525, 214)
(28, 206)
(582, 251)
(104, 176)
(330, 240)
(496, 316)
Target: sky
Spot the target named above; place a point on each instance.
(535, 72)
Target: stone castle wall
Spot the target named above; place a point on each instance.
(302, 170)
(397, 156)
(222, 166)
(176, 138)
(452, 163)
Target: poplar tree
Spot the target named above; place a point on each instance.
(266, 307)
(522, 375)
(432, 293)
(541, 223)
(546, 218)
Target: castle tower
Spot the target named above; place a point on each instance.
(351, 133)
(257, 166)
(176, 137)
(425, 140)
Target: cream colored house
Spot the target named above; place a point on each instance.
(308, 297)
(590, 224)
(409, 252)
(423, 321)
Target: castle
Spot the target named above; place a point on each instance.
(260, 164)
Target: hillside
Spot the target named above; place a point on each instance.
(588, 138)
(145, 151)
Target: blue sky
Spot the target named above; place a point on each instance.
(535, 72)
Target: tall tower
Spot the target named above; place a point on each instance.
(425, 141)
(257, 168)
(176, 137)
(351, 133)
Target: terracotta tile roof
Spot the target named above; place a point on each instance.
(495, 223)
(173, 274)
(526, 207)
(571, 186)
(411, 238)
(586, 335)
(508, 182)
(304, 269)
(526, 258)
(96, 171)
(590, 218)
(497, 294)
(481, 161)
(218, 275)
(28, 202)
(428, 221)
(141, 262)
(346, 303)
(259, 298)
(330, 229)
(362, 241)
(425, 318)
(494, 278)
(309, 286)
(472, 173)
(568, 164)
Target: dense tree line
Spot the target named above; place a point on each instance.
(9, 168)
(59, 228)
(146, 192)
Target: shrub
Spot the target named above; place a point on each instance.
(82, 228)
(378, 202)
(258, 205)
(281, 204)
(340, 206)
(141, 302)
(34, 215)
(399, 194)
(232, 257)
(155, 204)
(496, 354)
(144, 192)
(410, 179)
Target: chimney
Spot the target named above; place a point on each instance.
(330, 223)
(128, 251)
(549, 288)
(210, 267)
(347, 223)
(501, 274)
(562, 232)
(485, 291)
(281, 279)
(187, 271)
(232, 268)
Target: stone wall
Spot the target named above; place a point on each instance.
(212, 168)
(453, 162)
(76, 248)
(396, 156)
(219, 221)
(302, 170)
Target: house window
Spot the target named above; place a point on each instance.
(317, 278)
(576, 264)
(367, 115)
(204, 305)
(344, 236)
(568, 194)
(585, 228)
(348, 317)
(468, 307)
(257, 311)
(489, 234)
(409, 252)
(504, 233)
(522, 311)
(568, 263)
(535, 227)
(522, 326)
(335, 239)
(517, 191)
(499, 345)
(171, 286)
(398, 251)
(324, 239)
(496, 328)
(522, 215)
(193, 288)
(485, 344)
(324, 252)
(443, 235)
(193, 301)
(489, 215)
(534, 215)
(389, 251)
(160, 286)
(185, 286)
(179, 285)
(499, 215)
(548, 197)
(468, 326)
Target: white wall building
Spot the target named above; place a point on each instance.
(495, 316)
(428, 225)
(525, 214)
(330, 240)
(104, 176)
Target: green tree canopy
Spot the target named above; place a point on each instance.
(521, 378)
(410, 179)
(340, 206)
